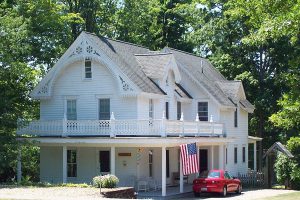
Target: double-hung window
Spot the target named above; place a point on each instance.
(203, 111)
(235, 155)
(88, 69)
(178, 110)
(150, 163)
(104, 109)
(236, 118)
(244, 154)
(167, 110)
(71, 109)
(71, 163)
(151, 109)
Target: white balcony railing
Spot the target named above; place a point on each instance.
(114, 128)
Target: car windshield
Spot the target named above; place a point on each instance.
(210, 174)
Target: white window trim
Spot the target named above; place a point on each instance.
(70, 97)
(83, 69)
(103, 96)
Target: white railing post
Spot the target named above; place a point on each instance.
(64, 127)
(112, 125)
(163, 125)
(197, 124)
(182, 125)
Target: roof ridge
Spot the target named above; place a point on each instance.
(153, 54)
(120, 41)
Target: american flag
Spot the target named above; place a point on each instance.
(189, 158)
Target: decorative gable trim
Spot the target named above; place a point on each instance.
(81, 49)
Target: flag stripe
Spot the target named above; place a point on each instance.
(189, 158)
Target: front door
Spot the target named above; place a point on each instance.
(104, 162)
(203, 160)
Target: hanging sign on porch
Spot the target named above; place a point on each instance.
(124, 154)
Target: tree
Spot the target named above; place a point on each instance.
(229, 36)
(17, 79)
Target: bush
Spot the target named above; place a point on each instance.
(288, 169)
(107, 181)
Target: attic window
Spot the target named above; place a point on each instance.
(88, 68)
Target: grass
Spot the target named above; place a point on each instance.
(290, 196)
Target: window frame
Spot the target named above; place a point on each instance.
(150, 163)
(200, 112)
(244, 154)
(235, 155)
(71, 164)
(179, 108)
(151, 109)
(67, 116)
(107, 113)
(88, 60)
(236, 118)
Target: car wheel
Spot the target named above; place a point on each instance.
(224, 193)
(239, 189)
(196, 194)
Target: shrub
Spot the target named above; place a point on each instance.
(288, 169)
(107, 181)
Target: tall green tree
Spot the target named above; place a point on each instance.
(227, 35)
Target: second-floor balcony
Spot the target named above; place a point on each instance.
(120, 128)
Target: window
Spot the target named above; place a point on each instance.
(71, 163)
(88, 68)
(178, 110)
(151, 108)
(226, 156)
(235, 155)
(235, 118)
(167, 110)
(244, 154)
(168, 163)
(104, 109)
(71, 110)
(150, 163)
(203, 111)
(104, 160)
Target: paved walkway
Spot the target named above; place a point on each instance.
(67, 193)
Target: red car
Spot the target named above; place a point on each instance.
(216, 181)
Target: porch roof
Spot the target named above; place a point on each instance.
(128, 141)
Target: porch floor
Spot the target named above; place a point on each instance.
(172, 191)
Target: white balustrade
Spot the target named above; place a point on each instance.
(115, 128)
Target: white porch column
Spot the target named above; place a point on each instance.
(198, 155)
(212, 157)
(180, 174)
(64, 164)
(221, 156)
(113, 160)
(163, 172)
(254, 157)
(19, 166)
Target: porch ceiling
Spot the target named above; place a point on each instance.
(128, 141)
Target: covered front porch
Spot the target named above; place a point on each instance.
(148, 164)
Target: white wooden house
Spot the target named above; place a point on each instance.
(120, 108)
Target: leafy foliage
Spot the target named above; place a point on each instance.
(106, 181)
(287, 169)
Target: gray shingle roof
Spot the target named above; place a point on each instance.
(141, 65)
(154, 64)
(123, 54)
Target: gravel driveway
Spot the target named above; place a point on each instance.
(67, 193)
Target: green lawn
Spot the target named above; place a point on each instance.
(290, 196)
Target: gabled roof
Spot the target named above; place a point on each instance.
(277, 146)
(154, 64)
(137, 65)
(123, 54)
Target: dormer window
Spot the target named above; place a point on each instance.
(88, 68)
